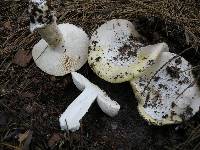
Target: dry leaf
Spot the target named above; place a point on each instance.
(22, 137)
(55, 138)
(25, 139)
(28, 141)
(22, 58)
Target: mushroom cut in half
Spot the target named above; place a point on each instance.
(70, 119)
(116, 53)
(167, 93)
(64, 47)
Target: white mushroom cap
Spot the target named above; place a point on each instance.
(115, 53)
(64, 47)
(70, 55)
(70, 119)
(167, 93)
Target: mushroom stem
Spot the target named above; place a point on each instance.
(44, 21)
(107, 105)
(51, 34)
(69, 120)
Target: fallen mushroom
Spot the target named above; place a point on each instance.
(167, 93)
(69, 120)
(116, 53)
(64, 47)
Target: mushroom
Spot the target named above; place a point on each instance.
(64, 47)
(167, 92)
(70, 119)
(116, 53)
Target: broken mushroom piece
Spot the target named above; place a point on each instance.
(107, 105)
(69, 120)
(167, 93)
(64, 47)
(116, 53)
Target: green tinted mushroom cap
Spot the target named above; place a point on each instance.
(116, 53)
(167, 92)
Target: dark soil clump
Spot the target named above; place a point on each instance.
(173, 71)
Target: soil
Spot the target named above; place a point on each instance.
(31, 100)
(173, 71)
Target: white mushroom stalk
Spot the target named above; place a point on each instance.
(64, 47)
(167, 93)
(116, 53)
(70, 119)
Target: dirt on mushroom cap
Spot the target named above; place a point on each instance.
(167, 93)
(116, 53)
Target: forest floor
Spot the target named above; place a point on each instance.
(31, 101)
